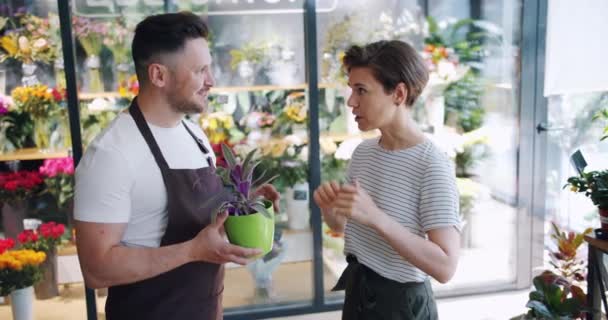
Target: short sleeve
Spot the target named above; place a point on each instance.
(102, 187)
(439, 199)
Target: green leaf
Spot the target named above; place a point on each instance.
(228, 155)
(261, 208)
(540, 309)
(262, 181)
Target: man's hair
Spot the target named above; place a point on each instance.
(162, 34)
(391, 63)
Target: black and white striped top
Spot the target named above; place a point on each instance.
(416, 187)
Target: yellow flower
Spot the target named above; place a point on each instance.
(278, 148)
(573, 188)
(9, 44)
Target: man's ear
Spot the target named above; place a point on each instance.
(400, 94)
(158, 74)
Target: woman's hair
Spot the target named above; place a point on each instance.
(391, 62)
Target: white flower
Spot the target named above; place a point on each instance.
(40, 43)
(291, 151)
(328, 146)
(99, 104)
(293, 139)
(303, 156)
(346, 148)
(242, 150)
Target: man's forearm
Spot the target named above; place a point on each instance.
(123, 265)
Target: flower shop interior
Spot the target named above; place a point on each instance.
(510, 99)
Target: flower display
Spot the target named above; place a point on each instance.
(58, 175)
(20, 185)
(39, 100)
(28, 42)
(19, 268)
(45, 238)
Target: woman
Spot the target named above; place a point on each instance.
(399, 211)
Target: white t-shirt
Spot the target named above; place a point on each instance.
(118, 180)
(416, 187)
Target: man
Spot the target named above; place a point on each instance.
(141, 187)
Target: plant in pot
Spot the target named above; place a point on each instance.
(594, 184)
(45, 239)
(250, 221)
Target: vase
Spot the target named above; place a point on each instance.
(2, 79)
(93, 64)
(298, 213)
(122, 75)
(47, 287)
(13, 213)
(60, 82)
(28, 77)
(435, 112)
(261, 271)
(42, 133)
(22, 304)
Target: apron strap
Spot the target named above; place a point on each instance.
(143, 127)
(201, 145)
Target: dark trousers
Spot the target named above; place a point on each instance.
(370, 296)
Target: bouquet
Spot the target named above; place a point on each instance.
(29, 42)
(20, 185)
(46, 238)
(118, 40)
(91, 34)
(39, 100)
(58, 175)
(18, 268)
(16, 127)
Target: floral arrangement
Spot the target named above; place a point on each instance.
(118, 40)
(237, 198)
(286, 157)
(46, 238)
(20, 185)
(18, 268)
(29, 42)
(91, 34)
(253, 53)
(39, 100)
(128, 88)
(58, 175)
(15, 126)
(220, 127)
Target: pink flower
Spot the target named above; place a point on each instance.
(53, 167)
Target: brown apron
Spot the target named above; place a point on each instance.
(194, 290)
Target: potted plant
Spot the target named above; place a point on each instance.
(19, 271)
(594, 184)
(250, 221)
(45, 239)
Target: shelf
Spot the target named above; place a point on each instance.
(303, 86)
(33, 154)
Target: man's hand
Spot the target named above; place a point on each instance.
(353, 202)
(211, 245)
(269, 192)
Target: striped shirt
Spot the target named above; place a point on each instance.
(416, 187)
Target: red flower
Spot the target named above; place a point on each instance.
(11, 185)
(6, 244)
(27, 236)
(51, 230)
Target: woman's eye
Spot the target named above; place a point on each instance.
(360, 91)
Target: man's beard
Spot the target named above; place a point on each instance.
(186, 106)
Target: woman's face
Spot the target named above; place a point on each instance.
(372, 107)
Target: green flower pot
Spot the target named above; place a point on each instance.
(252, 231)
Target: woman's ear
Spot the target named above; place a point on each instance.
(400, 94)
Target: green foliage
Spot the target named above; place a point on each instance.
(463, 102)
(593, 184)
(554, 298)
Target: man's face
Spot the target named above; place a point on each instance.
(370, 104)
(190, 77)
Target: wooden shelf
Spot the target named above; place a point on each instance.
(33, 154)
(303, 86)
